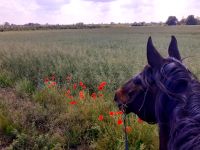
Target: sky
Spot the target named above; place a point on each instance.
(94, 11)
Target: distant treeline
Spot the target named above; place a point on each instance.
(172, 20)
(35, 26)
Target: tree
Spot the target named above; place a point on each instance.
(172, 20)
(6, 24)
(191, 20)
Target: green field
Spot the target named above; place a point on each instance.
(89, 55)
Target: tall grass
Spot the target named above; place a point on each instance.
(113, 54)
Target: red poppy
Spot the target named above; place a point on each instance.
(100, 118)
(111, 113)
(100, 95)
(94, 95)
(73, 102)
(119, 113)
(140, 120)
(119, 122)
(84, 87)
(102, 85)
(53, 83)
(67, 94)
(74, 86)
(81, 95)
(128, 129)
(46, 80)
(81, 84)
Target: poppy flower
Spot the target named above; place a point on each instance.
(100, 95)
(119, 113)
(53, 83)
(94, 95)
(74, 86)
(102, 85)
(46, 80)
(73, 102)
(111, 113)
(140, 120)
(119, 122)
(67, 94)
(100, 118)
(84, 87)
(81, 95)
(81, 84)
(128, 129)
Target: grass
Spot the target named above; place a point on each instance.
(38, 117)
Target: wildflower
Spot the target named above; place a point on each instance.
(46, 80)
(111, 113)
(119, 122)
(119, 113)
(94, 95)
(100, 118)
(67, 94)
(101, 86)
(128, 129)
(81, 84)
(100, 95)
(140, 120)
(73, 102)
(74, 86)
(81, 95)
(53, 83)
(84, 87)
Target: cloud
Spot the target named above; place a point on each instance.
(51, 5)
(104, 1)
(17, 11)
(94, 11)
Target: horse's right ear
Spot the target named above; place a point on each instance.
(173, 49)
(154, 59)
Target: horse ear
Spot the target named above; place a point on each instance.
(153, 57)
(173, 49)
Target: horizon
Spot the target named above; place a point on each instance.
(68, 12)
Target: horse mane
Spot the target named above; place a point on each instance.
(186, 122)
(183, 89)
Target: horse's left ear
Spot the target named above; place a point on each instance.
(154, 58)
(173, 49)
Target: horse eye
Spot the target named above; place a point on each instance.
(130, 94)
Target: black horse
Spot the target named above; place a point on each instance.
(167, 93)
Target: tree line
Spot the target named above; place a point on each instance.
(36, 26)
(190, 20)
(172, 20)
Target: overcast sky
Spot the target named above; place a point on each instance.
(94, 11)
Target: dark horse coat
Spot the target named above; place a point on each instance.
(167, 93)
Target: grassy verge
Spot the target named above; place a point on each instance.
(59, 118)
